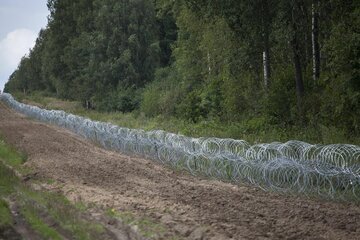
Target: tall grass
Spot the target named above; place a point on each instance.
(252, 129)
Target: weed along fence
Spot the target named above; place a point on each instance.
(297, 167)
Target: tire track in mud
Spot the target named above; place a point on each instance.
(189, 207)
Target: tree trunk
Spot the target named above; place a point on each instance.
(315, 40)
(266, 64)
(209, 63)
(298, 73)
(266, 42)
(295, 45)
(57, 90)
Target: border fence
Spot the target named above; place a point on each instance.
(331, 171)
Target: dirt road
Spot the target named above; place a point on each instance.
(188, 207)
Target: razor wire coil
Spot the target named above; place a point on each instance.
(292, 167)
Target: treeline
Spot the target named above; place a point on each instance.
(287, 62)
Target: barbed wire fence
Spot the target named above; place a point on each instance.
(331, 171)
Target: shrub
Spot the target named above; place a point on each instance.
(163, 94)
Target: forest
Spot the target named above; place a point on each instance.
(277, 63)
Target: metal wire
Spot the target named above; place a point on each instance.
(293, 167)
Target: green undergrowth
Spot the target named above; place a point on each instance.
(6, 218)
(252, 129)
(146, 226)
(41, 210)
(12, 158)
(38, 225)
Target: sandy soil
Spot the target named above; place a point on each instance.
(190, 207)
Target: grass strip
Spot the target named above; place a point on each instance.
(254, 129)
(11, 157)
(33, 204)
(146, 226)
(38, 225)
(6, 219)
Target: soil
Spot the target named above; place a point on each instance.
(189, 207)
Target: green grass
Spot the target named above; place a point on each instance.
(6, 217)
(8, 181)
(38, 225)
(12, 158)
(67, 215)
(33, 204)
(253, 130)
(146, 226)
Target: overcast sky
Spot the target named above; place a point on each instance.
(20, 23)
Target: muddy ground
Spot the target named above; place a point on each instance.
(188, 207)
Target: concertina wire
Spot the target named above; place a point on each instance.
(331, 171)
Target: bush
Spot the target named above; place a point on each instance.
(191, 107)
(281, 98)
(123, 100)
(163, 94)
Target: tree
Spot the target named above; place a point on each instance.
(315, 39)
(203, 59)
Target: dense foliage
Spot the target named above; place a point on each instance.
(283, 62)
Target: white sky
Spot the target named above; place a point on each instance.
(20, 23)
